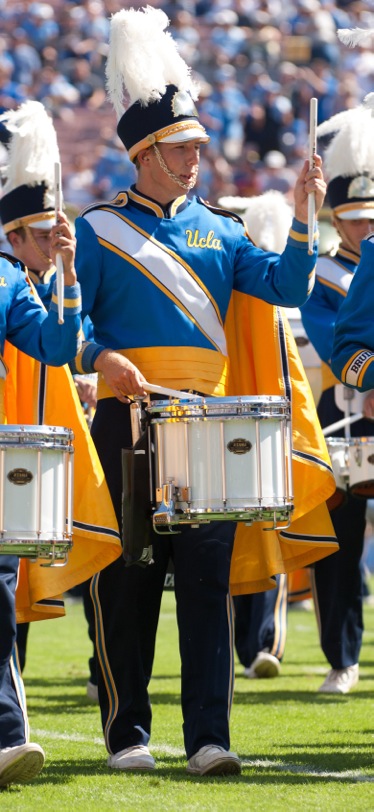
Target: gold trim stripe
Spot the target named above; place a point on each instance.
(68, 303)
(153, 138)
(28, 220)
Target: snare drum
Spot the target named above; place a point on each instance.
(36, 487)
(361, 466)
(222, 459)
(338, 448)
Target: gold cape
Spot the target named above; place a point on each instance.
(264, 360)
(37, 394)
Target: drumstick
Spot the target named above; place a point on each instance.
(343, 422)
(312, 152)
(59, 263)
(172, 393)
(135, 417)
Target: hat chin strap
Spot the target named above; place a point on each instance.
(37, 248)
(186, 186)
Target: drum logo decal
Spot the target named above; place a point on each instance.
(20, 476)
(239, 446)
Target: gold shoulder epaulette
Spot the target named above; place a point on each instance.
(118, 202)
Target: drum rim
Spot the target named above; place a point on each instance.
(273, 406)
(23, 432)
(347, 441)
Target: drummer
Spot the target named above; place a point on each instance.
(157, 268)
(27, 325)
(337, 580)
(27, 214)
(29, 591)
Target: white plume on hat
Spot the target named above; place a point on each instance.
(268, 218)
(369, 102)
(351, 150)
(33, 149)
(143, 59)
(356, 36)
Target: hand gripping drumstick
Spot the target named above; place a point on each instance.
(59, 263)
(312, 152)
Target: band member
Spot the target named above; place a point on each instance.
(27, 212)
(158, 269)
(30, 328)
(35, 393)
(337, 581)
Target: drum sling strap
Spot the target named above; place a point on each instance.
(136, 502)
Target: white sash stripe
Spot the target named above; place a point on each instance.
(165, 268)
(332, 272)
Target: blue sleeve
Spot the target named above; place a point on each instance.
(285, 279)
(88, 267)
(318, 316)
(353, 350)
(87, 264)
(36, 331)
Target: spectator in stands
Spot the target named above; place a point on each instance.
(11, 93)
(90, 87)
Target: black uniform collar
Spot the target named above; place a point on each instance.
(41, 279)
(150, 206)
(347, 255)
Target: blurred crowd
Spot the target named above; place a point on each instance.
(258, 62)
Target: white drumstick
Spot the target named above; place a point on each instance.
(341, 423)
(172, 393)
(59, 263)
(312, 152)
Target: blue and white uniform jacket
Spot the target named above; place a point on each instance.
(353, 351)
(157, 284)
(334, 275)
(26, 324)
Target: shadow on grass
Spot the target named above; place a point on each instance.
(71, 692)
(305, 697)
(292, 769)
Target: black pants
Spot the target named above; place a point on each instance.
(261, 622)
(337, 580)
(13, 714)
(338, 587)
(127, 604)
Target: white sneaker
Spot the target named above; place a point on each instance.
(340, 681)
(214, 760)
(264, 665)
(20, 764)
(132, 758)
(92, 692)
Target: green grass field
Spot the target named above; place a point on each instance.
(300, 749)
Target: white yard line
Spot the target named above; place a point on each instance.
(354, 775)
